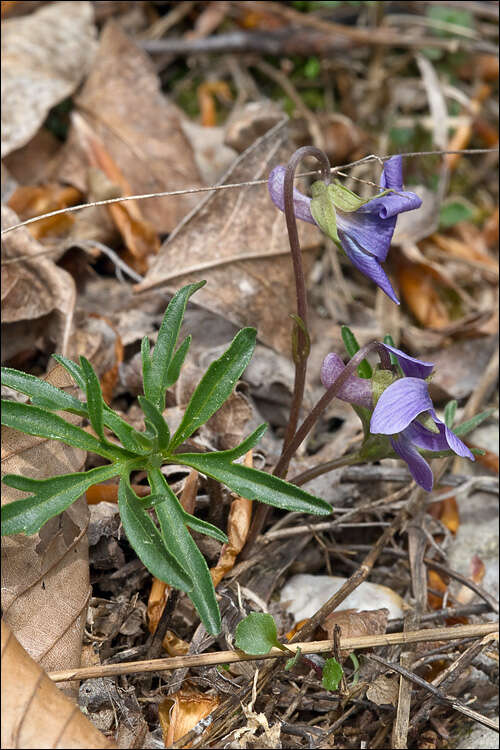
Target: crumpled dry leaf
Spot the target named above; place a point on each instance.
(35, 713)
(238, 241)
(353, 623)
(383, 691)
(32, 290)
(45, 577)
(44, 57)
(420, 290)
(139, 128)
(180, 712)
(31, 200)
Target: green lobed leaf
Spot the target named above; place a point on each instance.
(332, 674)
(74, 370)
(36, 421)
(95, 401)
(323, 210)
(203, 527)
(364, 368)
(182, 546)
(257, 634)
(154, 416)
(449, 413)
(51, 497)
(131, 439)
(147, 541)
(177, 362)
(147, 375)
(252, 483)
(166, 342)
(216, 385)
(471, 424)
(42, 394)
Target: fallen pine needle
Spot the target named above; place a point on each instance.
(312, 647)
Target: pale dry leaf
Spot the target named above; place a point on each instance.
(32, 290)
(35, 713)
(383, 691)
(44, 57)
(353, 623)
(180, 712)
(238, 241)
(45, 577)
(140, 129)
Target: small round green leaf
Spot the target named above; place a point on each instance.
(257, 634)
(332, 674)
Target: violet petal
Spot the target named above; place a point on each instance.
(301, 202)
(371, 233)
(418, 466)
(355, 390)
(412, 367)
(398, 406)
(367, 264)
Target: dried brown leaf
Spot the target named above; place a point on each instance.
(123, 105)
(181, 711)
(44, 57)
(45, 577)
(30, 200)
(31, 290)
(35, 713)
(383, 691)
(237, 239)
(353, 623)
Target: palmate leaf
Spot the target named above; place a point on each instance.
(36, 421)
(147, 541)
(157, 366)
(182, 546)
(51, 497)
(252, 483)
(216, 385)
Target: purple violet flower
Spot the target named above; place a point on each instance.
(365, 234)
(398, 413)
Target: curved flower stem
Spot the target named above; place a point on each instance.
(302, 344)
(330, 394)
(350, 459)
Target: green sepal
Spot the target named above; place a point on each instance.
(41, 393)
(165, 344)
(216, 385)
(364, 368)
(381, 380)
(323, 210)
(345, 200)
(154, 416)
(147, 541)
(182, 546)
(50, 497)
(95, 401)
(427, 421)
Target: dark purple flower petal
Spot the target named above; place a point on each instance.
(355, 390)
(371, 233)
(392, 175)
(418, 466)
(412, 368)
(431, 441)
(301, 202)
(367, 264)
(398, 406)
(392, 204)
